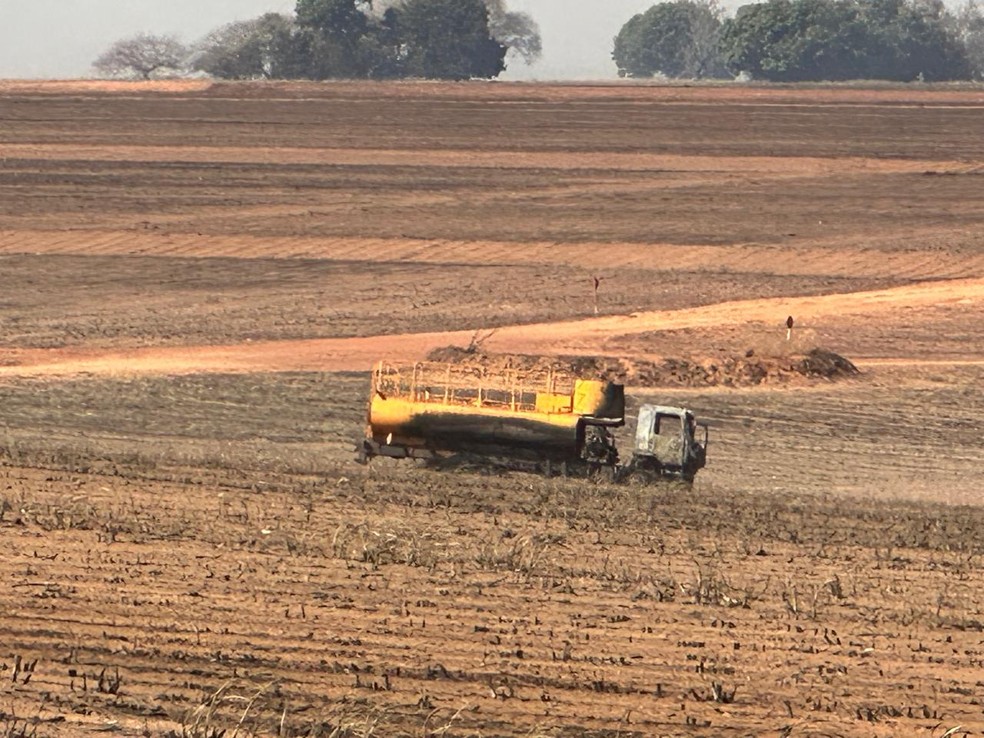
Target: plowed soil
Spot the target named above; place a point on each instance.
(196, 279)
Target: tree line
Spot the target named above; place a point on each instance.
(775, 40)
(343, 39)
(805, 40)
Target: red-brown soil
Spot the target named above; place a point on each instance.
(197, 277)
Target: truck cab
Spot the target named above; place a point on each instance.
(669, 442)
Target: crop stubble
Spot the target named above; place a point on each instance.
(176, 543)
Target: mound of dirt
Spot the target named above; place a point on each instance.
(822, 363)
(739, 371)
(732, 371)
(457, 355)
(487, 364)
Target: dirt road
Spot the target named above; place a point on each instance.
(592, 336)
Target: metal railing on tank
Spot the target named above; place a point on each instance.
(454, 384)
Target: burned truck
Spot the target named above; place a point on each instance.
(548, 419)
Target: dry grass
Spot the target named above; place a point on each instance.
(818, 579)
(198, 555)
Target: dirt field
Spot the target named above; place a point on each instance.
(197, 277)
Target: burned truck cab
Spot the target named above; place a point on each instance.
(669, 442)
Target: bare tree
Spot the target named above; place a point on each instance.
(704, 54)
(516, 31)
(967, 25)
(250, 49)
(142, 56)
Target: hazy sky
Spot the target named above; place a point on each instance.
(61, 38)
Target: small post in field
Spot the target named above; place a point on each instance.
(597, 283)
(789, 328)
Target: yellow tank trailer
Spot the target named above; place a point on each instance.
(429, 410)
(425, 410)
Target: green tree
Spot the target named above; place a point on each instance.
(252, 49)
(912, 39)
(796, 40)
(448, 39)
(340, 18)
(332, 38)
(677, 39)
(143, 56)
(799, 40)
(382, 47)
(517, 31)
